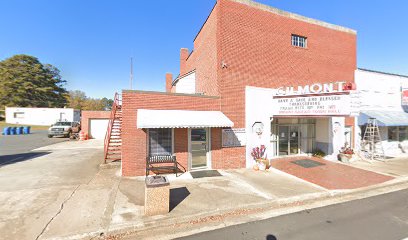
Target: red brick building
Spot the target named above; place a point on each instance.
(244, 55)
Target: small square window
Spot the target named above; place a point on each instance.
(299, 41)
(19, 115)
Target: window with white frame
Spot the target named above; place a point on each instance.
(299, 41)
(160, 141)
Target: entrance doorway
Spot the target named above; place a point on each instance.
(199, 148)
(292, 136)
(288, 140)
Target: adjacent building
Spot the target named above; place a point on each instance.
(384, 96)
(257, 76)
(41, 116)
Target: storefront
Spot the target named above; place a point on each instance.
(300, 122)
(384, 96)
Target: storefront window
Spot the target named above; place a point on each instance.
(291, 135)
(402, 133)
(398, 133)
(160, 141)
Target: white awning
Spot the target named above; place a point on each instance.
(385, 118)
(181, 119)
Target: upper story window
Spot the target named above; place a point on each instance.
(299, 41)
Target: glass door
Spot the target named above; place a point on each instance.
(283, 140)
(294, 140)
(288, 140)
(199, 148)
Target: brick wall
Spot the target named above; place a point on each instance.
(243, 44)
(86, 115)
(256, 46)
(204, 57)
(134, 141)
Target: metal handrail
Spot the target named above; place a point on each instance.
(116, 103)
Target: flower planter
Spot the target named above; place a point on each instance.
(345, 157)
(262, 166)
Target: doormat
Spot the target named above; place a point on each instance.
(307, 163)
(205, 173)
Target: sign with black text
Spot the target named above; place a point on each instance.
(235, 137)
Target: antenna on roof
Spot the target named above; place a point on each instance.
(131, 73)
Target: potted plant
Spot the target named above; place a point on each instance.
(345, 154)
(261, 162)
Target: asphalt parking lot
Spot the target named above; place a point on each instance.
(17, 148)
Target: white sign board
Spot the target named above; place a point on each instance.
(333, 105)
(355, 103)
(233, 137)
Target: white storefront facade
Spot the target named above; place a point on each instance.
(384, 96)
(299, 120)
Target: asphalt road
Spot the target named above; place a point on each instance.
(16, 148)
(384, 217)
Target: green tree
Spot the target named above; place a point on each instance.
(93, 104)
(76, 99)
(107, 103)
(26, 82)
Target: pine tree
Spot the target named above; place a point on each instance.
(26, 82)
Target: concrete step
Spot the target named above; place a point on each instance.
(114, 148)
(115, 140)
(114, 154)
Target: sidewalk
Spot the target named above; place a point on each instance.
(111, 207)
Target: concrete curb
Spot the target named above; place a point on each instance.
(252, 212)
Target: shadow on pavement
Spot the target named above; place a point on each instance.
(14, 158)
(177, 195)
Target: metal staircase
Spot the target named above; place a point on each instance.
(371, 146)
(113, 139)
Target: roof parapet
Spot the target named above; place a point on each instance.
(295, 16)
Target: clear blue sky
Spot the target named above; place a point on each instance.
(91, 41)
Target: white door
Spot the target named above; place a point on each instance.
(98, 128)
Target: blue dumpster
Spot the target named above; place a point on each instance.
(13, 131)
(6, 131)
(26, 130)
(19, 130)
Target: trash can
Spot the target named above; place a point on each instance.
(12, 130)
(19, 130)
(157, 195)
(6, 131)
(26, 130)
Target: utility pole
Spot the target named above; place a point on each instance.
(131, 73)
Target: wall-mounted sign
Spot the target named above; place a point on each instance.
(257, 128)
(355, 103)
(316, 88)
(235, 137)
(334, 105)
(404, 97)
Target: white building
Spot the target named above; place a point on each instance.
(40, 116)
(381, 97)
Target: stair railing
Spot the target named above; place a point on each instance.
(116, 103)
